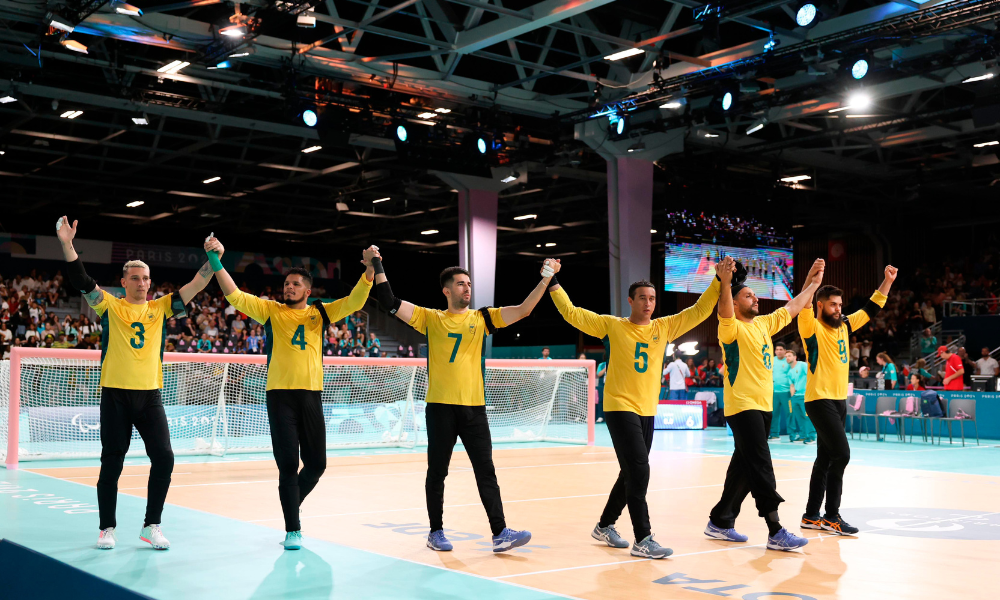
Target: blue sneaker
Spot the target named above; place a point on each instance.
(437, 541)
(293, 540)
(785, 540)
(509, 538)
(728, 535)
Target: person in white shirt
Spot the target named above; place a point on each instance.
(987, 364)
(5, 333)
(677, 371)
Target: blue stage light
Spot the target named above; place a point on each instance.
(401, 133)
(805, 15)
(859, 69)
(309, 117)
(727, 101)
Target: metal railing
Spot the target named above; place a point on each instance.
(972, 308)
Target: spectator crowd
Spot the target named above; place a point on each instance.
(33, 313)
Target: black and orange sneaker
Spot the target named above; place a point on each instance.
(838, 525)
(811, 522)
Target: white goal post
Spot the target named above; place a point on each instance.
(215, 403)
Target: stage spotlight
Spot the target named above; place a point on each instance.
(618, 125)
(806, 15)
(309, 117)
(727, 101)
(859, 68)
(401, 133)
(481, 145)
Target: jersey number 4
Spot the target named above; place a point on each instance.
(299, 337)
(642, 357)
(138, 336)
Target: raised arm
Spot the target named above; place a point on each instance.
(726, 310)
(687, 319)
(248, 304)
(192, 288)
(78, 277)
(871, 308)
(383, 293)
(586, 321)
(338, 309)
(813, 280)
(226, 282)
(513, 314)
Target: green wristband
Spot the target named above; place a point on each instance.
(213, 260)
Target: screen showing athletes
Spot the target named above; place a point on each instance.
(697, 241)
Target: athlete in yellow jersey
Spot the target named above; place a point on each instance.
(635, 347)
(748, 355)
(293, 332)
(828, 355)
(456, 398)
(132, 339)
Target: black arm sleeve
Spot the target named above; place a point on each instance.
(383, 293)
(871, 309)
(552, 282)
(78, 277)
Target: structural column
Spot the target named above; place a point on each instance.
(630, 214)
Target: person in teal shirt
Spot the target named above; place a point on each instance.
(887, 378)
(781, 395)
(800, 428)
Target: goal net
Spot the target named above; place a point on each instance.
(215, 404)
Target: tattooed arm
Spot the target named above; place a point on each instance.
(196, 285)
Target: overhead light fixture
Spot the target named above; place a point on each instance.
(71, 114)
(806, 14)
(401, 133)
(211, 180)
(859, 68)
(135, 203)
(674, 104)
(525, 217)
(124, 8)
(538, 245)
(172, 67)
(799, 226)
(709, 134)
(306, 20)
(624, 54)
(979, 78)
(74, 45)
(222, 65)
(510, 178)
(639, 146)
(141, 119)
(652, 231)
(984, 144)
(756, 126)
(795, 178)
(550, 244)
(7, 99)
(443, 111)
(426, 115)
(309, 117)
(727, 101)
(381, 200)
(311, 149)
(860, 100)
(481, 145)
(234, 31)
(429, 232)
(240, 54)
(342, 206)
(2, 152)
(57, 22)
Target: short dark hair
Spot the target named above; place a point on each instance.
(449, 274)
(639, 284)
(306, 275)
(824, 293)
(776, 344)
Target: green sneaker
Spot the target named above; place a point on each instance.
(293, 540)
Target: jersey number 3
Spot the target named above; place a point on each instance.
(299, 337)
(138, 336)
(641, 356)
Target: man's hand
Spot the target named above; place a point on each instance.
(213, 244)
(550, 264)
(368, 254)
(890, 273)
(64, 231)
(725, 270)
(816, 272)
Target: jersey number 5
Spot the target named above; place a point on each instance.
(299, 337)
(458, 342)
(641, 356)
(139, 335)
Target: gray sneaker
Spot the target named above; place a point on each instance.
(609, 535)
(648, 548)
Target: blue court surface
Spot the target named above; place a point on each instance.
(47, 508)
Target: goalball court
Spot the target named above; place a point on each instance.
(929, 525)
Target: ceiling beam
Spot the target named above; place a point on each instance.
(539, 15)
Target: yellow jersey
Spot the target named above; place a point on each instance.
(294, 336)
(828, 350)
(748, 354)
(132, 340)
(635, 352)
(456, 359)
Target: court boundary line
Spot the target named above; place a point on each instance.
(389, 556)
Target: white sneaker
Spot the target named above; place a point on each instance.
(107, 539)
(154, 535)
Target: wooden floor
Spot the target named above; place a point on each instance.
(925, 534)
